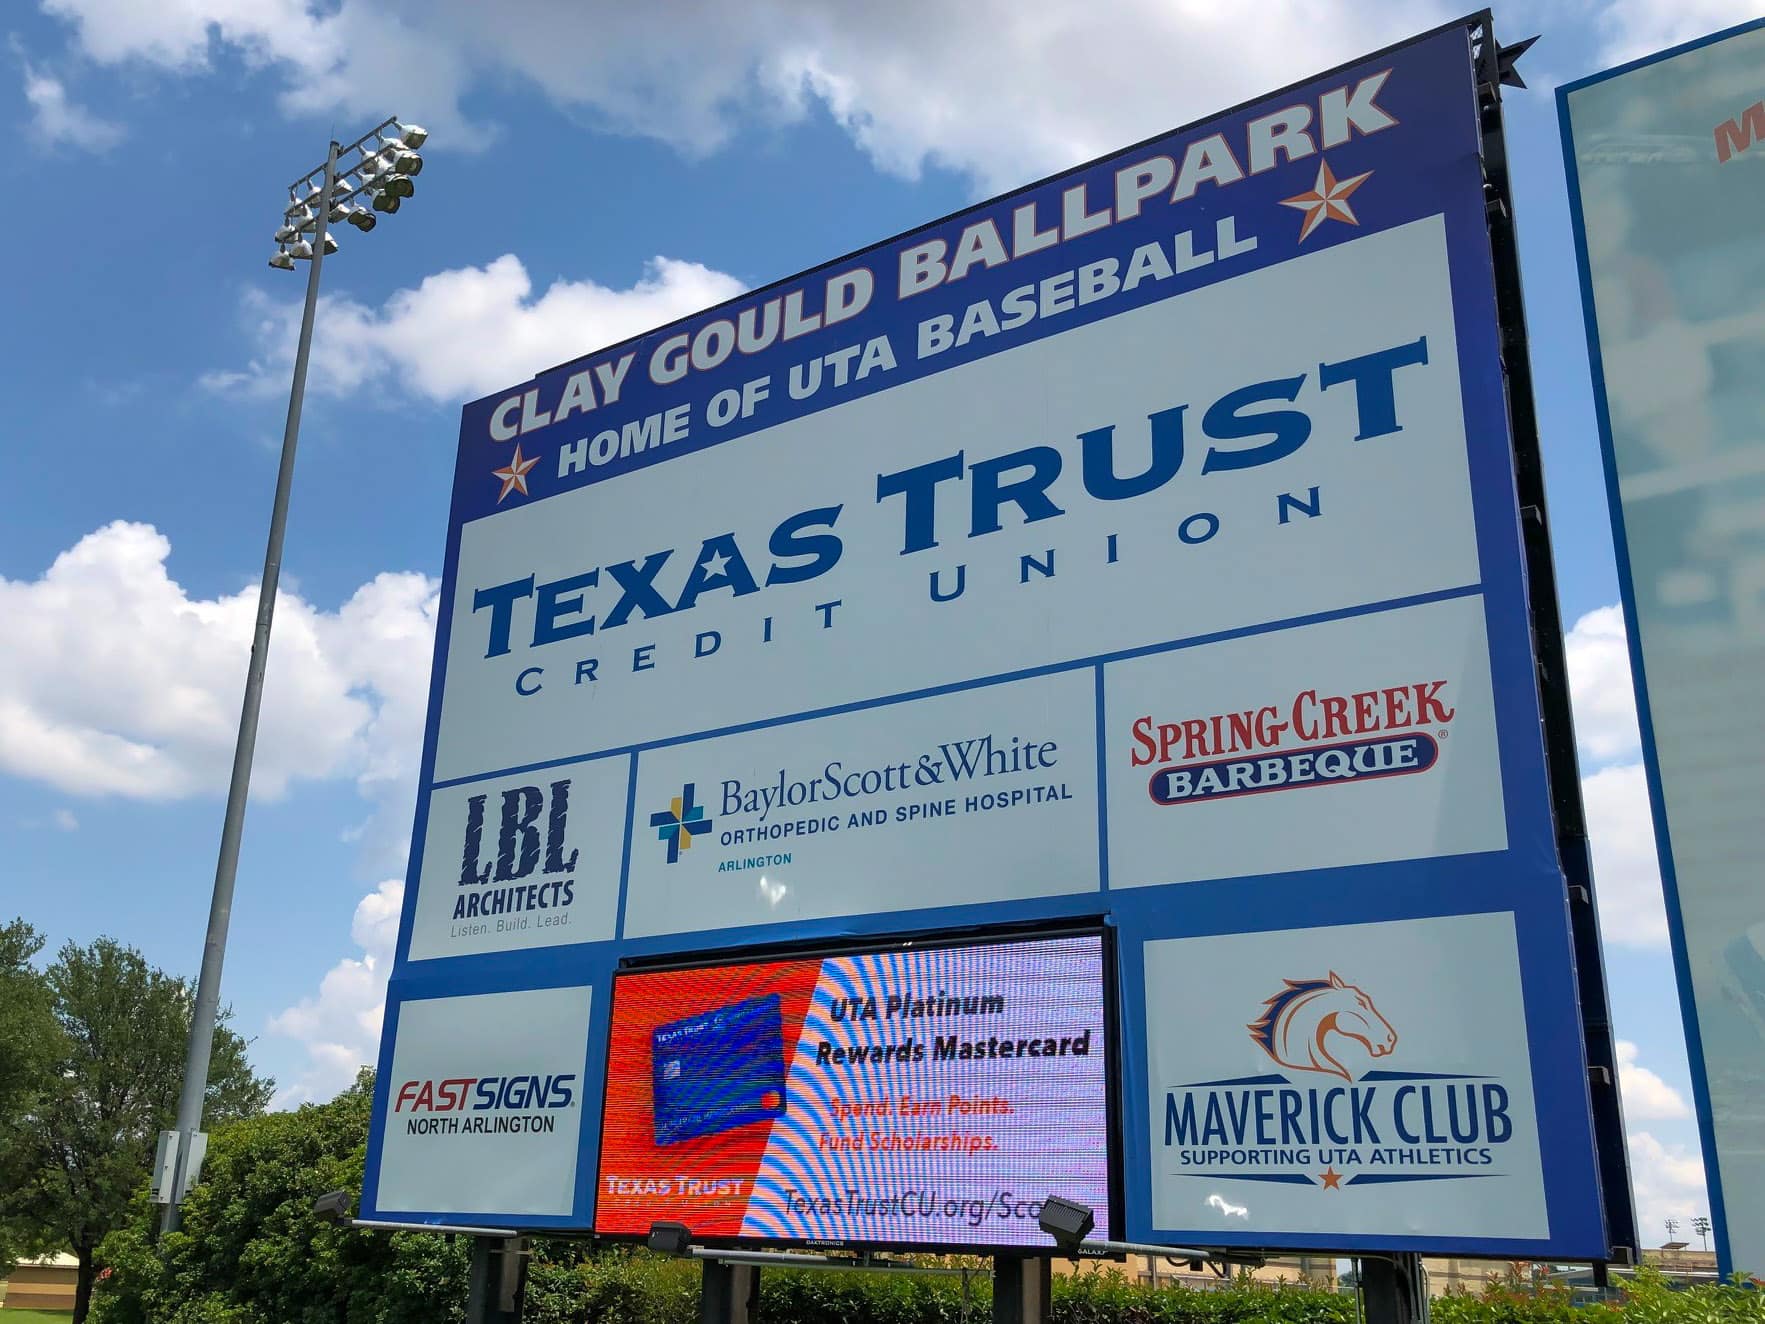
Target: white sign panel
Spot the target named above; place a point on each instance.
(485, 1104)
(922, 540)
(986, 795)
(524, 861)
(1368, 1078)
(1236, 759)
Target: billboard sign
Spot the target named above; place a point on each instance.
(1138, 549)
(1666, 161)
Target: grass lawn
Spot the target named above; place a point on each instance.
(35, 1316)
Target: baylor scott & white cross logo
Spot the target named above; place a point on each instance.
(1399, 1086)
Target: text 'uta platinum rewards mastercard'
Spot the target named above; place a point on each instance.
(719, 1069)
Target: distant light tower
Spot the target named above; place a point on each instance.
(1701, 1225)
(376, 167)
(1672, 1229)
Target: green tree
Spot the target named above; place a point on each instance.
(250, 1250)
(73, 1162)
(30, 1043)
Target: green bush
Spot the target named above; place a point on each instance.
(250, 1251)
(619, 1286)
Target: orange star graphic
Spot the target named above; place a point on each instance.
(514, 474)
(1327, 201)
(1332, 1178)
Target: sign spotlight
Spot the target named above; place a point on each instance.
(1068, 1223)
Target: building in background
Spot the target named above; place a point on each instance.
(1666, 163)
(46, 1283)
(1682, 1265)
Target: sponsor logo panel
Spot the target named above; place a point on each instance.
(1107, 499)
(1281, 752)
(1376, 1081)
(486, 1103)
(531, 860)
(987, 795)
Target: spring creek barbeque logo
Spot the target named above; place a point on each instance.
(1312, 740)
(1329, 1118)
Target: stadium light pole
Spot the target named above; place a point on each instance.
(381, 173)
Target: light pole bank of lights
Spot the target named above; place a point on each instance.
(372, 174)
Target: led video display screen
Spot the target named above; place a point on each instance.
(928, 1097)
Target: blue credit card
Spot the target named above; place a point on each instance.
(719, 1069)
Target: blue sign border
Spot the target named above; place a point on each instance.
(1439, 160)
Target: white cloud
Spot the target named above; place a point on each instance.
(1668, 1182)
(339, 1026)
(1626, 870)
(1641, 27)
(1599, 687)
(58, 122)
(65, 820)
(177, 36)
(115, 681)
(466, 332)
(995, 90)
(1647, 1098)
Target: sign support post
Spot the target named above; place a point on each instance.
(1021, 1289)
(1392, 1289)
(496, 1280)
(728, 1293)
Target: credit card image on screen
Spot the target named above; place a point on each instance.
(719, 1069)
(932, 1096)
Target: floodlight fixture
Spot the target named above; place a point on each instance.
(386, 202)
(669, 1238)
(400, 186)
(1068, 1223)
(332, 1206)
(363, 219)
(407, 163)
(303, 249)
(414, 135)
(281, 261)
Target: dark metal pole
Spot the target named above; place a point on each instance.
(220, 910)
(1573, 847)
(1391, 1287)
(1022, 1286)
(727, 1292)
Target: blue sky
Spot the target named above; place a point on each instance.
(594, 170)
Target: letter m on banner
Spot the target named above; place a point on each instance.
(1740, 133)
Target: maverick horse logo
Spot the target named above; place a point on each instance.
(1297, 1023)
